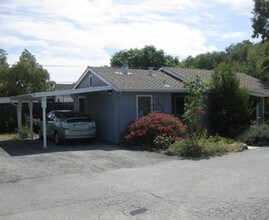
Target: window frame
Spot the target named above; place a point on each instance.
(143, 96)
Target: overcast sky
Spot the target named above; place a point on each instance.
(66, 36)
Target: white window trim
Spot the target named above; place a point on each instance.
(90, 80)
(151, 103)
(82, 97)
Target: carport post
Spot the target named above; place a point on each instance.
(44, 106)
(30, 104)
(19, 106)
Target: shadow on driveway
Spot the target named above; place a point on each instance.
(27, 147)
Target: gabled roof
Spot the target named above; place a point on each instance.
(255, 86)
(136, 79)
(186, 74)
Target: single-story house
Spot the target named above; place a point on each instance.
(137, 92)
(115, 96)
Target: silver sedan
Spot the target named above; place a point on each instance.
(66, 124)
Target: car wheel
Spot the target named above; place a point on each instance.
(57, 138)
(40, 135)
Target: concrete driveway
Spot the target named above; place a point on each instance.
(102, 181)
(24, 159)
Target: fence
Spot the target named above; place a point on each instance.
(8, 113)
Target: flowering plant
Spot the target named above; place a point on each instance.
(145, 129)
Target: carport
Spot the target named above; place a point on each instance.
(42, 97)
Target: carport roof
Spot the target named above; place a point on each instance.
(39, 95)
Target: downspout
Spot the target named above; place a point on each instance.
(117, 115)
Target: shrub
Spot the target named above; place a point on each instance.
(9, 125)
(186, 148)
(25, 132)
(194, 109)
(256, 135)
(206, 147)
(165, 129)
(230, 105)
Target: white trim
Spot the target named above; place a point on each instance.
(257, 94)
(5, 100)
(151, 103)
(81, 78)
(39, 95)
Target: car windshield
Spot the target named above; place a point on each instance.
(73, 115)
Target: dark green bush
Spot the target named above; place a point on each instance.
(9, 125)
(257, 135)
(231, 106)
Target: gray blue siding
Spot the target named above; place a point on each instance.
(102, 108)
(112, 113)
(127, 106)
(85, 83)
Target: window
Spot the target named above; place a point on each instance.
(143, 105)
(178, 105)
(81, 104)
(91, 80)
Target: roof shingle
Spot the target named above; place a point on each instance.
(138, 79)
(252, 84)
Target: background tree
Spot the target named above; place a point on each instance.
(230, 105)
(260, 20)
(4, 68)
(246, 57)
(143, 58)
(207, 61)
(26, 76)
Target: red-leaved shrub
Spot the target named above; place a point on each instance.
(144, 130)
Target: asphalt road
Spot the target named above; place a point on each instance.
(131, 184)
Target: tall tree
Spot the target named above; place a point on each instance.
(143, 58)
(4, 68)
(3, 57)
(26, 76)
(260, 20)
